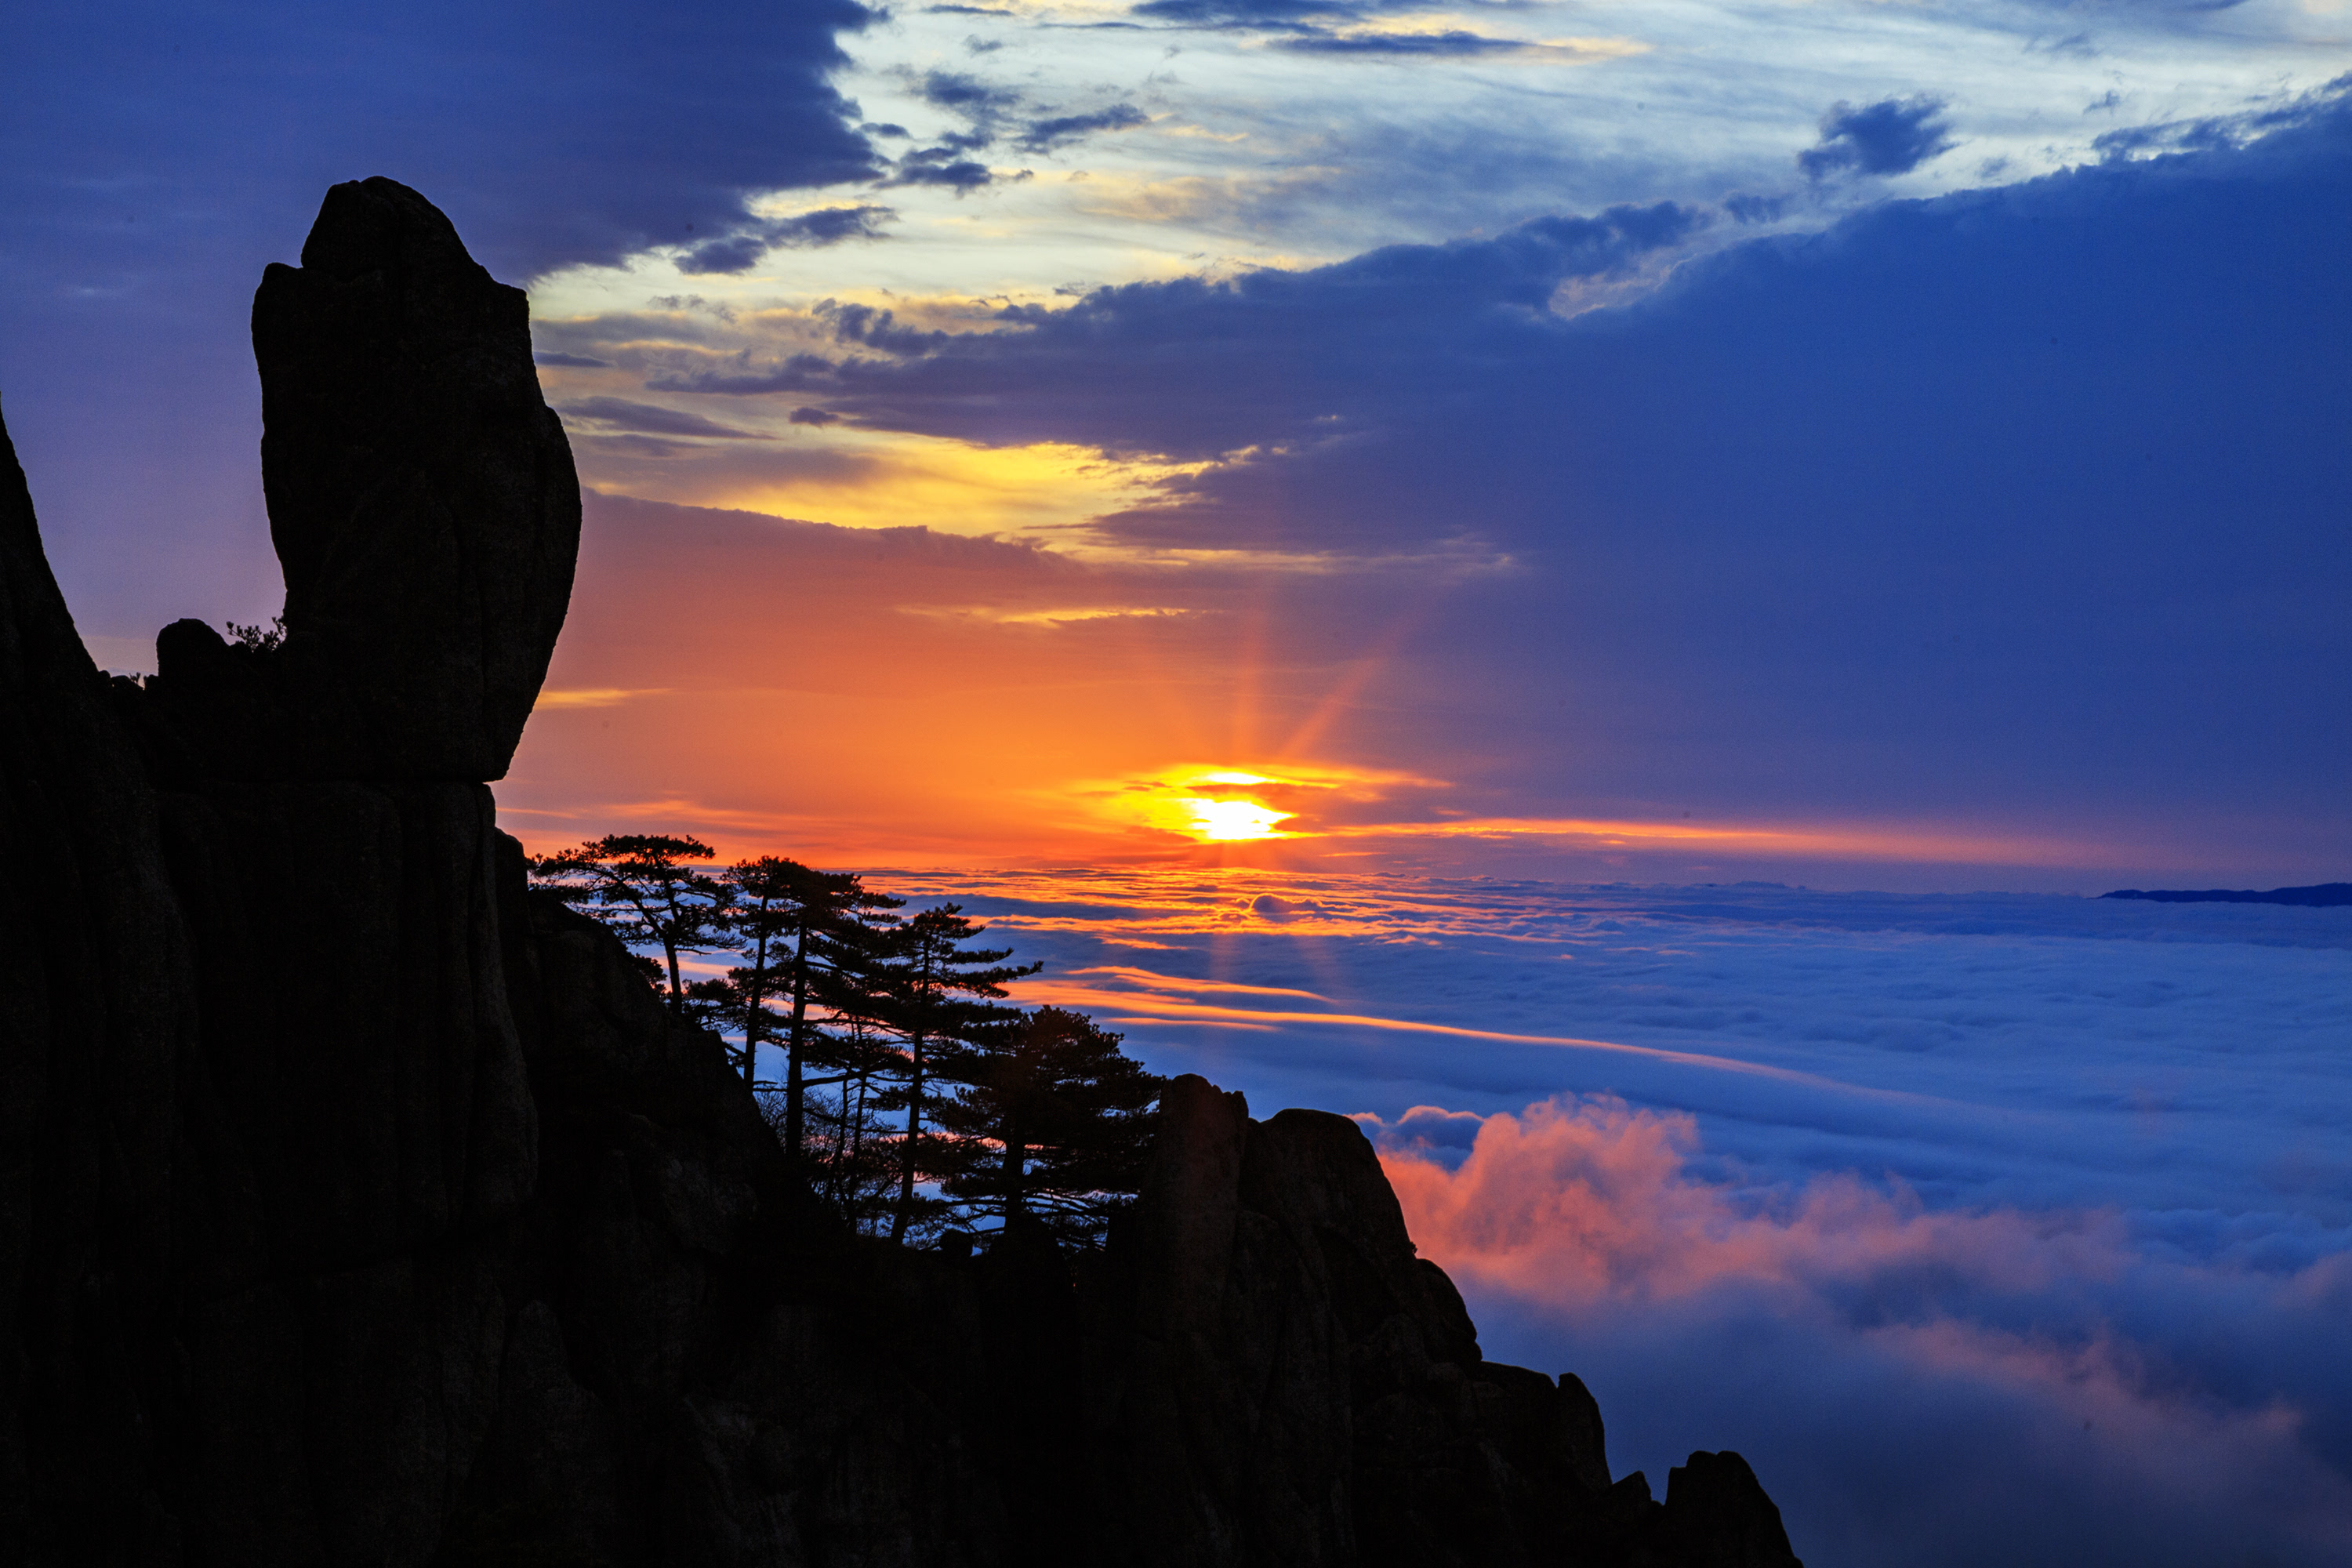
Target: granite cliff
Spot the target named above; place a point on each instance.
(358, 1205)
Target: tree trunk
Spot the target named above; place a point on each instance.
(906, 1156)
(1015, 1158)
(754, 1011)
(669, 946)
(848, 1173)
(914, 1100)
(792, 1090)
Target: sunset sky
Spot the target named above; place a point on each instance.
(1867, 444)
(1349, 531)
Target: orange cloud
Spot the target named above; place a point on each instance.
(1585, 1212)
(1578, 1200)
(1156, 982)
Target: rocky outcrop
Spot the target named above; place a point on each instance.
(423, 504)
(271, 1113)
(1283, 1381)
(358, 1205)
(97, 1150)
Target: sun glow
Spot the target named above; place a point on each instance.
(1233, 821)
(1226, 805)
(1205, 804)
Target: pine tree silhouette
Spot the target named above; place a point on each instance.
(940, 996)
(1051, 1127)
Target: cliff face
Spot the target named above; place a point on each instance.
(1283, 1381)
(270, 1110)
(358, 1207)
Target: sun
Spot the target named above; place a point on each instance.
(1213, 805)
(1229, 803)
(1232, 821)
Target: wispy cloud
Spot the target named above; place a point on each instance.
(1061, 994)
(1424, 42)
(1054, 132)
(742, 248)
(651, 419)
(1153, 981)
(596, 697)
(1049, 616)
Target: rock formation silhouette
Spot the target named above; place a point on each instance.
(360, 1205)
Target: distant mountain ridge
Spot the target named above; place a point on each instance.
(2323, 895)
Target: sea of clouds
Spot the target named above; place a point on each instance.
(1990, 1227)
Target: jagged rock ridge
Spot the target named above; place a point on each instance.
(358, 1206)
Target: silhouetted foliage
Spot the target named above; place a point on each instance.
(938, 996)
(805, 930)
(912, 1099)
(855, 1040)
(765, 891)
(639, 885)
(852, 1153)
(1051, 1126)
(709, 1003)
(260, 639)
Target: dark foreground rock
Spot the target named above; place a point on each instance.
(423, 508)
(358, 1206)
(1278, 1378)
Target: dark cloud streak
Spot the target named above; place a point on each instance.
(986, 106)
(1453, 45)
(1238, 363)
(1060, 131)
(741, 251)
(1274, 16)
(651, 419)
(1893, 136)
(942, 166)
(967, 94)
